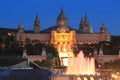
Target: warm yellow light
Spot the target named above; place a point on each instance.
(64, 49)
(91, 78)
(85, 78)
(65, 61)
(78, 78)
(64, 57)
(114, 76)
(63, 41)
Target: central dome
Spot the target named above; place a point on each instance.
(62, 15)
(62, 19)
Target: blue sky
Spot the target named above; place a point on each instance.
(12, 12)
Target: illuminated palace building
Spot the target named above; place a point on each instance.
(62, 36)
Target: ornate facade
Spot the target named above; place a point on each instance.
(62, 36)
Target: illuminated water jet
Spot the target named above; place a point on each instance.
(81, 65)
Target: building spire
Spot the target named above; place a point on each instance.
(62, 11)
(81, 21)
(20, 28)
(103, 25)
(37, 24)
(102, 28)
(21, 25)
(37, 17)
(84, 26)
(81, 24)
(86, 17)
(86, 20)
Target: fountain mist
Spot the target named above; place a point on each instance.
(81, 65)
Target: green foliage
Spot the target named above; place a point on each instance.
(109, 48)
(12, 49)
(36, 49)
(115, 65)
(87, 48)
(9, 61)
(51, 49)
(45, 64)
(30, 49)
(49, 63)
(115, 40)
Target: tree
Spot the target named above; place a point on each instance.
(115, 65)
(30, 49)
(13, 49)
(45, 63)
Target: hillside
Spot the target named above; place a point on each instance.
(4, 31)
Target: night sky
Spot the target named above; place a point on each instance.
(12, 12)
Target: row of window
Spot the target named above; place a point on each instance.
(63, 42)
(95, 41)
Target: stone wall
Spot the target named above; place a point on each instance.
(36, 57)
(41, 37)
(106, 58)
(92, 38)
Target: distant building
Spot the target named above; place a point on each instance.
(62, 36)
(63, 33)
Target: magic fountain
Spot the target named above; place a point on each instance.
(78, 68)
(81, 65)
(77, 65)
